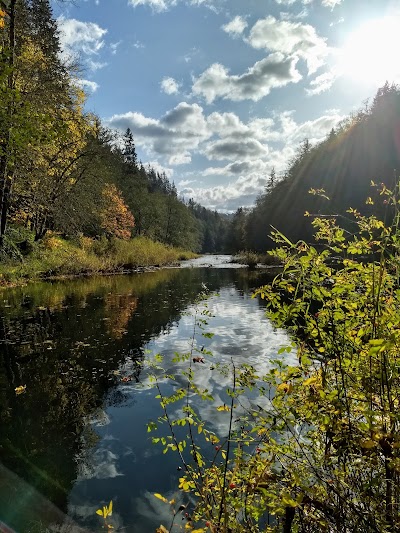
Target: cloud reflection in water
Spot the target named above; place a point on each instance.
(242, 334)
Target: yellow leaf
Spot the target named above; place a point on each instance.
(310, 381)
(20, 390)
(287, 500)
(285, 387)
(368, 444)
(172, 502)
(99, 512)
(110, 508)
(198, 530)
(160, 497)
(223, 408)
(161, 529)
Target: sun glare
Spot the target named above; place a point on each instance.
(371, 53)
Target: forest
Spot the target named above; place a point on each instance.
(62, 173)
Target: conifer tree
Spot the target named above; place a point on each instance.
(129, 152)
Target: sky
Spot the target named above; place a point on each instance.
(219, 92)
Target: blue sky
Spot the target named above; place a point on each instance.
(217, 92)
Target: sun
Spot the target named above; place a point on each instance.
(371, 52)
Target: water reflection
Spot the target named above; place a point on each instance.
(78, 435)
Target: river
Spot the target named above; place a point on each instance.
(77, 438)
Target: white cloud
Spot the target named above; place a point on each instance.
(114, 47)
(339, 21)
(185, 183)
(251, 173)
(226, 124)
(164, 5)
(156, 5)
(96, 65)
(187, 58)
(325, 3)
(79, 38)
(170, 86)
(269, 73)
(236, 26)
(161, 169)
(180, 159)
(102, 465)
(247, 150)
(289, 38)
(88, 85)
(284, 15)
(322, 83)
(178, 132)
(313, 130)
(331, 3)
(241, 192)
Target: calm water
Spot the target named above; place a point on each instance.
(77, 437)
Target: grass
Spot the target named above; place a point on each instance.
(57, 257)
(252, 259)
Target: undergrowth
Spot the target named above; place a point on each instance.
(58, 257)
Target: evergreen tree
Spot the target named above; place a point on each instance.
(129, 152)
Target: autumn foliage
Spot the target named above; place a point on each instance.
(116, 219)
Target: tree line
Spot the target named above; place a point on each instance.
(339, 172)
(61, 170)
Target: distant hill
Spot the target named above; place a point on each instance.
(365, 147)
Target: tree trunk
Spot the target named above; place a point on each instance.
(6, 204)
(288, 519)
(6, 145)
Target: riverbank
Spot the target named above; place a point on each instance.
(55, 257)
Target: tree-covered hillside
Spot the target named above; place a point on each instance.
(61, 170)
(364, 148)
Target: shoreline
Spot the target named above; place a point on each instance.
(58, 259)
(22, 282)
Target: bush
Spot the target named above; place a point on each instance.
(252, 259)
(246, 257)
(18, 241)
